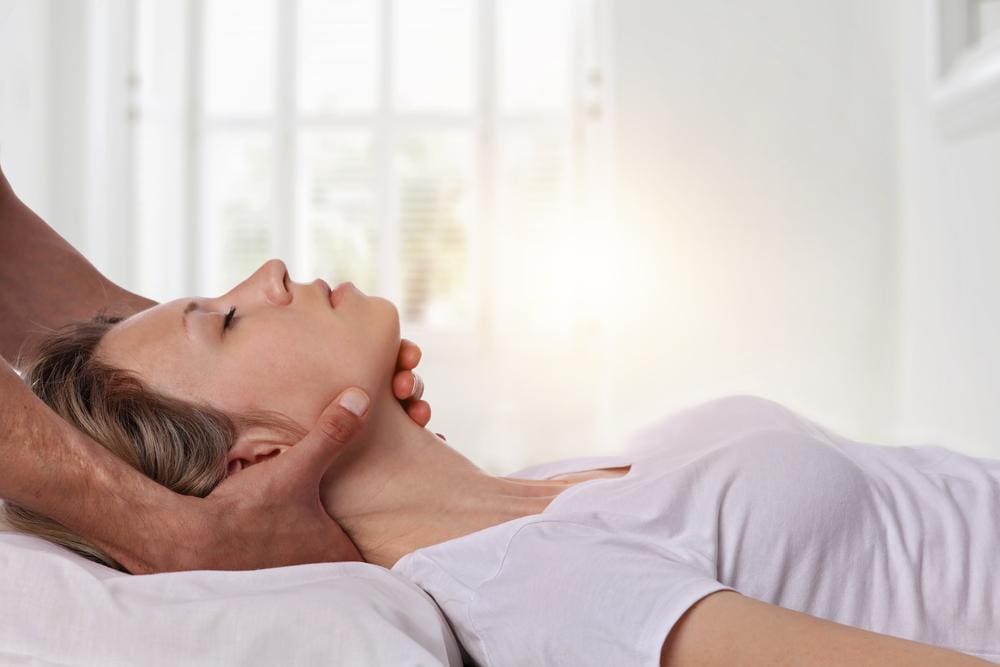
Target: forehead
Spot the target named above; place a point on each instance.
(154, 345)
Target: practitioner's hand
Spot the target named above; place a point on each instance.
(407, 386)
(270, 514)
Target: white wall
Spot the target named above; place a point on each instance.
(787, 225)
(950, 249)
(63, 124)
(757, 201)
(25, 100)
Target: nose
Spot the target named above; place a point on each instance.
(269, 281)
(274, 280)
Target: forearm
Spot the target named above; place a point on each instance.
(727, 628)
(51, 468)
(44, 281)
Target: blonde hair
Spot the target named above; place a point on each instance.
(179, 444)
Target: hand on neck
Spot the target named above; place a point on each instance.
(401, 488)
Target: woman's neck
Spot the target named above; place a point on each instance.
(401, 488)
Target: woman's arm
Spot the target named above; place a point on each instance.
(726, 628)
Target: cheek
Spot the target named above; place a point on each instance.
(299, 370)
(360, 351)
(263, 375)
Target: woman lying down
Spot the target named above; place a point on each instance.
(733, 533)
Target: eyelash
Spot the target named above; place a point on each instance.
(230, 316)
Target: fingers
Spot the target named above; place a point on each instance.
(407, 385)
(409, 355)
(420, 412)
(336, 428)
(418, 387)
(402, 385)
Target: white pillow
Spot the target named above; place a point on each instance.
(59, 608)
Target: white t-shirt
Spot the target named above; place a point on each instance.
(742, 494)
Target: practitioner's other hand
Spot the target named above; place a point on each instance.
(407, 386)
(269, 515)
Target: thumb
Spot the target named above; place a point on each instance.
(338, 425)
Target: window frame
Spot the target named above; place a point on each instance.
(584, 131)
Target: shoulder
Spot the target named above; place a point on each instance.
(566, 590)
(572, 591)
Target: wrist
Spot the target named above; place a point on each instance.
(156, 536)
(142, 525)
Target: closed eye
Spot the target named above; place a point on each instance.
(230, 316)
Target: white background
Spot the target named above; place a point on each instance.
(791, 221)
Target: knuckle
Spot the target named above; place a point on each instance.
(341, 427)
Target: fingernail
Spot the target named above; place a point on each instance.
(354, 400)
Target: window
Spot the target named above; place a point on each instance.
(965, 65)
(428, 150)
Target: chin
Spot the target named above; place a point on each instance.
(388, 322)
(388, 315)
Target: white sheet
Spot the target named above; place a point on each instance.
(59, 608)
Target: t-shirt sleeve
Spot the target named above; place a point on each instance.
(575, 594)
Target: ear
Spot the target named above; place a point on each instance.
(255, 445)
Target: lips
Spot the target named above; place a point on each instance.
(322, 286)
(339, 292)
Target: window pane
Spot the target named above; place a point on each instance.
(533, 176)
(337, 51)
(238, 207)
(239, 56)
(534, 55)
(434, 56)
(335, 195)
(435, 172)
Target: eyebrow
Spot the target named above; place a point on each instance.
(192, 305)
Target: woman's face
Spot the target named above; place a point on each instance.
(288, 347)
